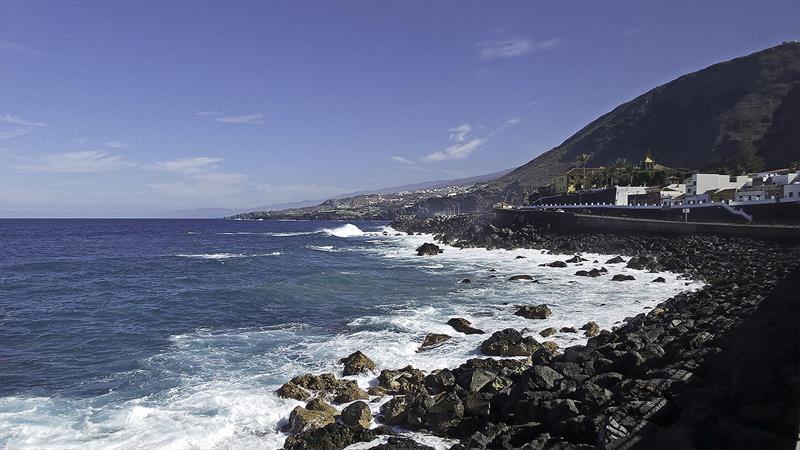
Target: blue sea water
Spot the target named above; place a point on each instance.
(175, 333)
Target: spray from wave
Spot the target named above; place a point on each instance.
(343, 231)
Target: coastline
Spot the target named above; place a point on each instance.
(622, 388)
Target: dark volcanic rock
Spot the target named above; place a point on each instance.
(621, 277)
(463, 326)
(557, 264)
(509, 342)
(333, 436)
(659, 280)
(428, 249)
(357, 363)
(402, 443)
(433, 340)
(521, 277)
(547, 332)
(591, 329)
(615, 260)
(534, 312)
(357, 414)
(402, 381)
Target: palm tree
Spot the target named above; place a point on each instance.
(582, 159)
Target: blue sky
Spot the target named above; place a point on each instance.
(128, 109)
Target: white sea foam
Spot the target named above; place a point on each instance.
(321, 248)
(344, 231)
(219, 256)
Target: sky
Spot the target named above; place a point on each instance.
(135, 109)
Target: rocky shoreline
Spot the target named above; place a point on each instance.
(715, 368)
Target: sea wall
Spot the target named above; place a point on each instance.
(593, 222)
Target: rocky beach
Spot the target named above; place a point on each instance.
(712, 368)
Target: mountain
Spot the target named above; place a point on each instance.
(698, 121)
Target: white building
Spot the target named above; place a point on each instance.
(700, 183)
(791, 191)
(622, 193)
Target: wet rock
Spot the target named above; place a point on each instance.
(291, 390)
(445, 413)
(433, 340)
(576, 259)
(557, 264)
(568, 330)
(402, 443)
(439, 381)
(393, 412)
(548, 332)
(349, 391)
(659, 280)
(509, 342)
(541, 378)
(376, 391)
(582, 273)
(357, 363)
(463, 326)
(615, 260)
(318, 404)
(534, 312)
(466, 281)
(428, 249)
(357, 414)
(519, 257)
(401, 381)
(621, 277)
(333, 436)
(521, 277)
(643, 263)
(591, 329)
(596, 273)
(550, 346)
(474, 380)
(302, 419)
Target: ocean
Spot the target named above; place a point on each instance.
(175, 333)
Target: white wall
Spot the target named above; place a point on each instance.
(701, 183)
(624, 191)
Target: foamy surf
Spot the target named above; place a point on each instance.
(220, 256)
(344, 231)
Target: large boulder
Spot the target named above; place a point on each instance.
(293, 391)
(621, 277)
(557, 264)
(393, 412)
(325, 385)
(357, 363)
(433, 340)
(446, 413)
(402, 443)
(330, 437)
(615, 260)
(521, 278)
(463, 326)
(302, 419)
(349, 391)
(509, 342)
(534, 312)
(428, 249)
(591, 329)
(547, 332)
(357, 414)
(402, 381)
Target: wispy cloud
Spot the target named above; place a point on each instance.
(201, 179)
(89, 161)
(456, 151)
(115, 144)
(187, 166)
(509, 48)
(508, 124)
(222, 117)
(18, 126)
(13, 47)
(459, 133)
(402, 160)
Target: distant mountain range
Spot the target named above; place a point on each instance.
(200, 213)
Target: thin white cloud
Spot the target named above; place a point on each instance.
(12, 47)
(256, 118)
(456, 151)
(402, 160)
(187, 166)
(207, 113)
(115, 144)
(17, 126)
(510, 48)
(200, 179)
(89, 161)
(508, 124)
(459, 133)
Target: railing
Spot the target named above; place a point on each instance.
(727, 204)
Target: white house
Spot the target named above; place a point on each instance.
(791, 191)
(622, 193)
(700, 183)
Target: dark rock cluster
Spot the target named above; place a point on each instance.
(714, 368)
